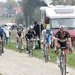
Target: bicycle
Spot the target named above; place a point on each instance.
(62, 59)
(0, 47)
(30, 47)
(20, 45)
(46, 55)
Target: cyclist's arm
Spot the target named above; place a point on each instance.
(16, 33)
(69, 39)
(56, 39)
(70, 43)
(23, 33)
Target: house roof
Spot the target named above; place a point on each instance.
(18, 9)
(11, 11)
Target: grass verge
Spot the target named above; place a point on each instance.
(38, 54)
(0, 74)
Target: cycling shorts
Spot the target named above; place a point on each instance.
(64, 44)
(1, 35)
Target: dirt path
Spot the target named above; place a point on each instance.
(14, 63)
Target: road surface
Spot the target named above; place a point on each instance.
(14, 63)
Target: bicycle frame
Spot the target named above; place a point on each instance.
(30, 48)
(62, 64)
(20, 44)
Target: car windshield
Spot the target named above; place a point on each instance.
(69, 23)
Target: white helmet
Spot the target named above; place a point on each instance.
(20, 25)
(31, 27)
(63, 28)
(48, 28)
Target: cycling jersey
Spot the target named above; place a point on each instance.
(30, 34)
(43, 33)
(47, 36)
(62, 39)
(2, 33)
(19, 31)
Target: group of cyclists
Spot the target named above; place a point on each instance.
(61, 39)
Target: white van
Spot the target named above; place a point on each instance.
(54, 16)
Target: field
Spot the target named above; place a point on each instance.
(5, 20)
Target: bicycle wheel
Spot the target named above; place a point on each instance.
(63, 64)
(46, 56)
(31, 53)
(20, 47)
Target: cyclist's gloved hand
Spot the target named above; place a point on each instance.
(70, 49)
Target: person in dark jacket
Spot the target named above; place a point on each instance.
(37, 30)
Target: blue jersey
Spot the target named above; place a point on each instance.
(51, 33)
(2, 31)
(47, 36)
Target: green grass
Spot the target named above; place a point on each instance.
(0, 74)
(38, 54)
(3, 18)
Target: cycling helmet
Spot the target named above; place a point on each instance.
(31, 27)
(20, 25)
(63, 28)
(48, 28)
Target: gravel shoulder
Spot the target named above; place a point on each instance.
(14, 63)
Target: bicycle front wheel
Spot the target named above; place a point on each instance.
(63, 64)
(46, 55)
(20, 47)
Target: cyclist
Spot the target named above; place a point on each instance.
(19, 33)
(47, 34)
(2, 35)
(30, 35)
(61, 39)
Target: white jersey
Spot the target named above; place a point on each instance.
(43, 32)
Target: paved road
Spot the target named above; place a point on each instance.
(14, 63)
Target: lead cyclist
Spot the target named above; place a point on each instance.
(46, 37)
(61, 39)
(19, 33)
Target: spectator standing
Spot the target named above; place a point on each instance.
(7, 31)
(37, 30)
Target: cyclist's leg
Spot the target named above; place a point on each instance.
(33, 43)
(49, 43)
(17, 42)
(57, 44)
(44, 43)
(2, 38)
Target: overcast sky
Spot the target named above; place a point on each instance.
(6, 0)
